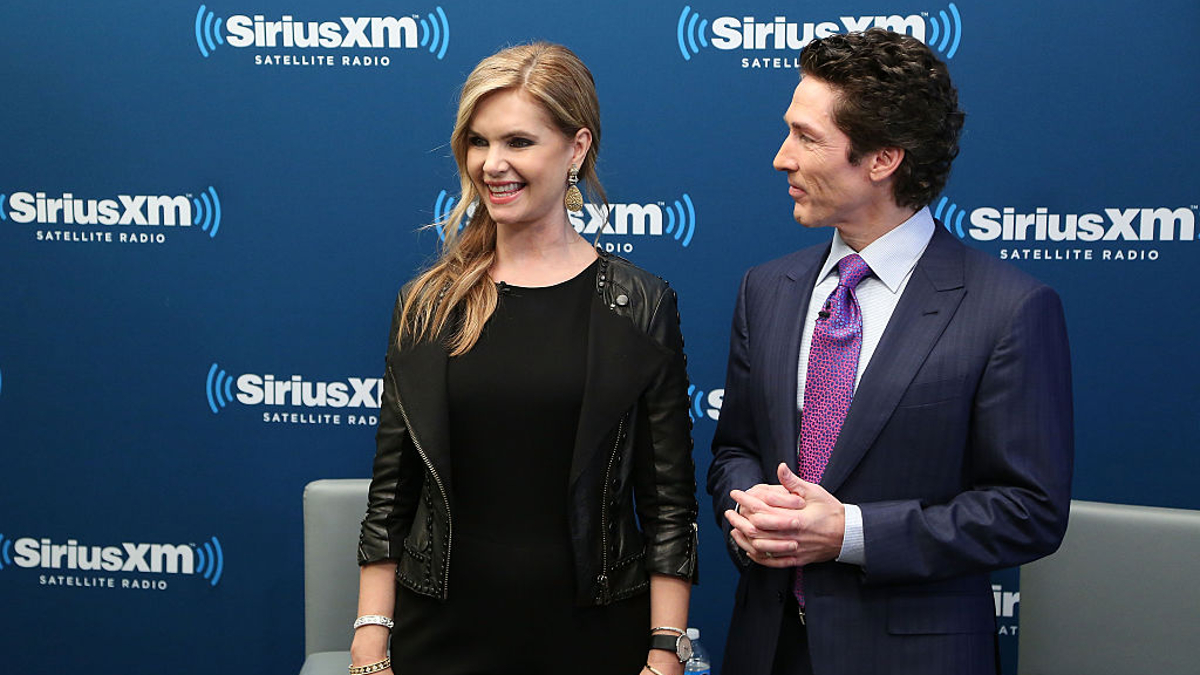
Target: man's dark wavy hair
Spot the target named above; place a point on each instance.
(892, 92)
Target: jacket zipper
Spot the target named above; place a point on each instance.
(441, 488)
(604, 515)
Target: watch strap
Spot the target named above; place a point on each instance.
(668, 643)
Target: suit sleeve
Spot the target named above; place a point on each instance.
(736, 463)
(1019, 454)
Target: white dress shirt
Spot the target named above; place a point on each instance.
(892, 259)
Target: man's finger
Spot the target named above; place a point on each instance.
(745, 500)
(740, 523)
(782, 498)
(776, 546)
(774, 522)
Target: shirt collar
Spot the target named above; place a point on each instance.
(892, 256)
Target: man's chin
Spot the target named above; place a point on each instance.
(802, 218)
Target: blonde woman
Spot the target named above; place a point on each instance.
(532, 508)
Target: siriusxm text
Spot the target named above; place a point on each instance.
(638, 219)
(1113, 224)
(750, 33)
(296, 391)
(368, 32)
(128, 557)
(28, 207)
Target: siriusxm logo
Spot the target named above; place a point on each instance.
(295, 391)
(674, 220)
(206, 559)
(151, 210)
(705, 405)
(431, 32)
(942, 31)
(1008, 224)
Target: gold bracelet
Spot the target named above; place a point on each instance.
(375, 667)
(654, 670)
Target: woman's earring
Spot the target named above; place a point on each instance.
(574, 198)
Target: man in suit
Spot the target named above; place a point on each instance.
(897, 420)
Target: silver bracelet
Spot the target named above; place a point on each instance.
(373, 620)
(678, 631)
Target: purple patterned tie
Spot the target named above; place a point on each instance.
(829, 383)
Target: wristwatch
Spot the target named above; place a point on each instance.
(680, 645)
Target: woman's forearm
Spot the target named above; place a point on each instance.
(376, 595)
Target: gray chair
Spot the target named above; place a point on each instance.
(1120, 597)
(333, 510)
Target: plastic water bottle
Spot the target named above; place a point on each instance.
(699, 664)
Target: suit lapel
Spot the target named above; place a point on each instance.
(929, 302)
(621, 360)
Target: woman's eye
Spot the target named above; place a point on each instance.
(519, 142)
(477, 141)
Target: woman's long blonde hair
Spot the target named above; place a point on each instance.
(457, 284)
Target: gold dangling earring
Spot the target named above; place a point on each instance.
(573, 200)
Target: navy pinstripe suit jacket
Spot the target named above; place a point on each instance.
(958, 447)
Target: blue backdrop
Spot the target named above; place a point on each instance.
(205, 208)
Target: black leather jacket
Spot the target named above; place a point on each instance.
(632, 461)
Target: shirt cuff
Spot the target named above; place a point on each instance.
(853, 551)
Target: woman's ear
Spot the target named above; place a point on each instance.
(580, 146)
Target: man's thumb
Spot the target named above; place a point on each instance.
(790, 480)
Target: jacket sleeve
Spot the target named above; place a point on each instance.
(666, 490)
(396, 474)
(737, 460)
(1020, 451)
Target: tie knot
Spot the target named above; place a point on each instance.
(851, 270)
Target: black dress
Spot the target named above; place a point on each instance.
(514, 403)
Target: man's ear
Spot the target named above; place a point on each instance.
(884, 162)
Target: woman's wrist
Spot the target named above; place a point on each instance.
(370, 644)
(665, 661)
(368, 656)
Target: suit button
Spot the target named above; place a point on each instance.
(622, 300)
(779, 597)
